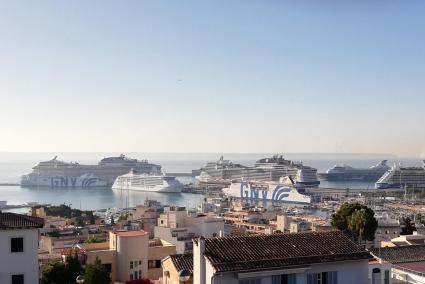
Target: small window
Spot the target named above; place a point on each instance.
(140, 262)
(18, 279)
(386, 277)
(131, 265)
(16, 244)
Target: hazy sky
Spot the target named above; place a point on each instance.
(213, 76)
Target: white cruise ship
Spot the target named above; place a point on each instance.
(256, 193)
(267, 169)
(147, 182)
(347, 173)
(59, 174)
(399, 176)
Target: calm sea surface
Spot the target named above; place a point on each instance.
(13, 165)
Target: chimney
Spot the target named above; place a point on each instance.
(199, 261)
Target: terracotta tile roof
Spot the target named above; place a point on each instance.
(279, 251)
(418, 266)
(182, 261)
(401, 254)
(19, 221)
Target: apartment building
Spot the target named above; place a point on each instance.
(18, 248)
(178, 227)
(302, 258)
(129, 255)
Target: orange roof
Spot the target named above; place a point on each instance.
(131, 233)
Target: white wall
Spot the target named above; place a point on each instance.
(25, 262)
(132, 248)
(349, 272)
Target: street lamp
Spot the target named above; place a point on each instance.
(184, 275)
(79, 279)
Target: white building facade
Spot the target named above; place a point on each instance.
(19, 248)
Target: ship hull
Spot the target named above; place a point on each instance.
(262, 194)
(84, 181)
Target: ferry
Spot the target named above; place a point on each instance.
(55, 173)
(273, 192)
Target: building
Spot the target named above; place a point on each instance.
(18, 248)
(302, 258)
(405, 240)
(172, 266)
(387, 229)
(404, 264)
(177, 226)
(129, 255)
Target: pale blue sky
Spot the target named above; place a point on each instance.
(213, 76)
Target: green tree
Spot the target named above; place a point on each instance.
(360, 227)
(73, 267)
(53, 273)
(96, 273)
(62, 273)
(357, 223)
(406, 226)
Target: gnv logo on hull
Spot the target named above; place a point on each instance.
(71, 182)
(253, 194)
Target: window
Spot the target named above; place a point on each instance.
(284, 279)
(330, 277)
(140, 274)
(250, 281)
(108, 267)
(140, 262)
(18, 279)
(135, 263)
(154, 264)
(387, 277)
(131, 265)
(16, 244)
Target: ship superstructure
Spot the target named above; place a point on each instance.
(55, 173)
(348, 173)
(266, 169)
(399, 176)
(147, 182)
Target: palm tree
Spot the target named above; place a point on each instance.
(357, 223)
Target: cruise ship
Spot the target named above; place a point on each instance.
(348, 173)
(399, 176)
(147, 182)
(261, 193)
(266, 169)
(59, 174)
